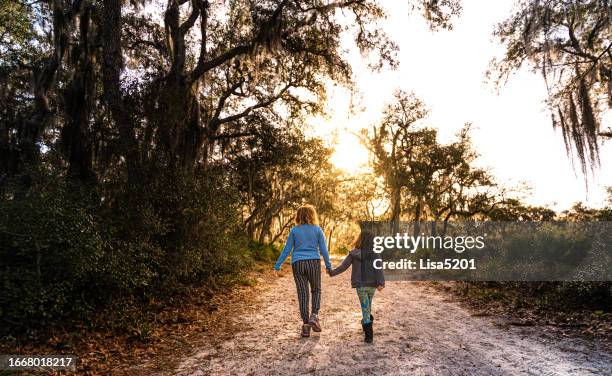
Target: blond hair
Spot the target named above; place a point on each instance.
(306, 215)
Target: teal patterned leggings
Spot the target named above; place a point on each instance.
(366, 294)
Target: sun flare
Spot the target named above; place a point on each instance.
(349, 154)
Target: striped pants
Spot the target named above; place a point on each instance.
(307, 273)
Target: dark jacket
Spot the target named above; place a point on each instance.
(362, 274)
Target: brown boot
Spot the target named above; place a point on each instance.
(314, 323)
(305, 330)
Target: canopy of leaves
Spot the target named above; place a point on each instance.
(425, 178)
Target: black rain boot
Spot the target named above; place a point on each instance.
(371, 328)
(369, 334)
(365, 335)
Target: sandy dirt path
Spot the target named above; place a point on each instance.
(418, 331)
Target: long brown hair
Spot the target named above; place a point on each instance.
(306, 215)
(364, 241)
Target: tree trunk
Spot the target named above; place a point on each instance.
(329, 238)
(396, 198)
(34, 127)
(177, 117)
(417, 218)
(79, 98)
(176, 109)
(112, 64)
(265, 226)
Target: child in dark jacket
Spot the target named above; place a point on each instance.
(364, 278)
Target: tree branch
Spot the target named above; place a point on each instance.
(190, 21)
(249, 109)
(205, 66)
(221, 103)
(228, 136)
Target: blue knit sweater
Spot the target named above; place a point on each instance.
(307, 243)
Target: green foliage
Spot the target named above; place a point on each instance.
(277, 172)
(149, 179)
(428, 179)
(558, 297)
(201, 227)
(343, 251)
(579, 212)
(551, 246)
(16, 28)
(515, 210)
(264, 252)
(67, 253)
(51, 251)
(195, 152)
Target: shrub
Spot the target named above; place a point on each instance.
(264, 252)
(68, 249)
(51, 250)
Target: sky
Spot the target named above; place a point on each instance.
(512, 130)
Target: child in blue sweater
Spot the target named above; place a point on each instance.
(306, 243)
